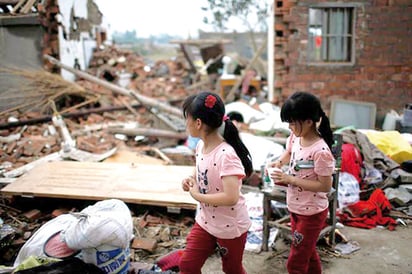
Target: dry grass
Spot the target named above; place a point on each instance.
(39, 90)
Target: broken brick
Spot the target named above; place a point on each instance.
(145, 244)
(32, 214)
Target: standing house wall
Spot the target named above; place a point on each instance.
(382, 69)
(20, 46)
(23, 41)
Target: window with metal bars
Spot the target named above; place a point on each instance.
(331, 35)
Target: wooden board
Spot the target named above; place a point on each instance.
(158, 185)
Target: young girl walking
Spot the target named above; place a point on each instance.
(222, 161)
(309, 177)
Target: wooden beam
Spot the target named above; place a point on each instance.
(188, 59)
(230, 96)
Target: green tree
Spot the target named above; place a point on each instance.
(251, 13)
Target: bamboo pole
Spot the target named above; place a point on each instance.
(144, 100)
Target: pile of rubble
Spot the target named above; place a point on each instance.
(27, 134)
(89, 118)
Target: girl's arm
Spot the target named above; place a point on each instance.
(227, 197)
(324, 161)
(323, 184)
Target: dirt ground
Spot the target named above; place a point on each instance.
(381, 252)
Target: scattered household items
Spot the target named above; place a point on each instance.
(99, 234)
(401, 122)
(265, 117)
(390, 120)
(369, 213)
(391, 143)
(42, 265)
(261, 149)
(407, 116)
(346, 248)
(254, 241)
(348, 191)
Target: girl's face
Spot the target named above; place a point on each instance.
(300, 128)
(193, 126)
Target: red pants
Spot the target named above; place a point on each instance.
(303, 257)
(200, 245)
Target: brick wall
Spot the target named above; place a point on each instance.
(382, 68)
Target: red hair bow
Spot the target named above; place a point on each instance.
(210, 101)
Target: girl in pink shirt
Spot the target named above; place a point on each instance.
(309, 178)
(222, 161)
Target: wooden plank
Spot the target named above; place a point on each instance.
(157, 185)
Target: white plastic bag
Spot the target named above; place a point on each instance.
(348, 191)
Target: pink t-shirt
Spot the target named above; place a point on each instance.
(319, 156)
(224, 222)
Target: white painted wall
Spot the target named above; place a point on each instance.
(71, 49)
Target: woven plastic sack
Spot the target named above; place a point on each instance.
(107, 222)
(103, 233)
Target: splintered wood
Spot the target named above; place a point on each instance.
(156, 185)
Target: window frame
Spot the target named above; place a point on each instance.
(352, 52)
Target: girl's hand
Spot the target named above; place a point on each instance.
(188, 183)
(275, 164)
(193, 190)
(281, 178)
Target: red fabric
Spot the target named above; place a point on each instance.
(352, 161)
(318, 41)
(369, 214)
(55, 247)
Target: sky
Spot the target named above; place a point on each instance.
(153, 17)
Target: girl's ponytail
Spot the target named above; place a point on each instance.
(325, 130)
(231, 135)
